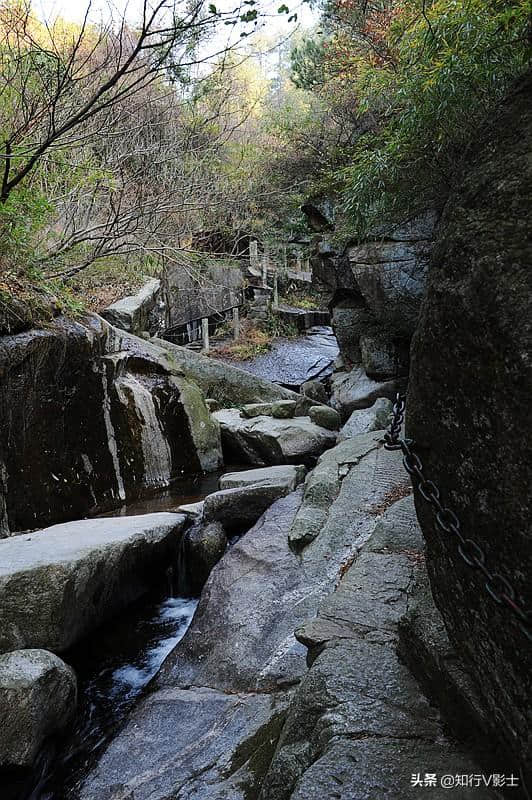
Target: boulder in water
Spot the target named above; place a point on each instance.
(37, 699)
(58, 584)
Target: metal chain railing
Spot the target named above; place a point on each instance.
(497, 586)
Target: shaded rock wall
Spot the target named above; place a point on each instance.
(90, 417)
(377, 287)
(468, 411)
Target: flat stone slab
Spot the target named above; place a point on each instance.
(59, 583)
(191, 510)
(262, 441)
(282, 475)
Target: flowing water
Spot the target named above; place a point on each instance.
(113, 666)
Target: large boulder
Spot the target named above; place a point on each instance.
(58, 584)
(365, 420)
(37, 700)
(354, 390)
(91, 417)
(262, 441)
(227, 384)
(468, 411)
(239, 508)
(138, 312)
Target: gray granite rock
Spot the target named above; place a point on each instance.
(242, 650)
(315, 390)
(468, 406)
(37, 700)
(226, 383)
(265, 441)
(354, 390)
(325, 417)
(283, 475)
(58, 584)
(132, 313)
(251, 410)
(359, 726)
(365, 420)
(283, 409)
(205, 544)
(241, 507)
(341, 500)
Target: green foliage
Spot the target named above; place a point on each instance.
(307, 63)
(454, 63)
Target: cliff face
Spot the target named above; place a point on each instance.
(91, 416)
(468, 411)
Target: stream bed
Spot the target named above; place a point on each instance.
(116, 662)
(113, 666)
(292, 361)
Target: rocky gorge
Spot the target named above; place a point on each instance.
(333, 644)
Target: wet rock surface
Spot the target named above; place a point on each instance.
(264, 440)
(37, 699)
(58, 584)
(294, 361)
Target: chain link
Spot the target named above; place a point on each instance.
(497, 586)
